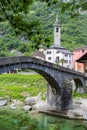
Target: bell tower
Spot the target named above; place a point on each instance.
(57, 32)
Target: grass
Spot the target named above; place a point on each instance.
(14, 85)
(77, 95)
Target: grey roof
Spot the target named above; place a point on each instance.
(39, 54)
(61, 49)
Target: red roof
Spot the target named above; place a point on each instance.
(82, 59)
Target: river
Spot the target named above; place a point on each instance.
(21, 120)
(55, 123)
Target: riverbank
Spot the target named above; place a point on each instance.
(79, 111)
(34, 105)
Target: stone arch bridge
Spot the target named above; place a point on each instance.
(54, 74)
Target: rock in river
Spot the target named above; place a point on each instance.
(3, 102)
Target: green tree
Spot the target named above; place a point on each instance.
(15, 11)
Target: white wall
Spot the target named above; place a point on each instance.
(67, 58)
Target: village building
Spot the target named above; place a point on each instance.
(40, 54)
(56, 53)
(83, 60)
(80, 59)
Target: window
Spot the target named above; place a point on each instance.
(65, 61)
(66, 55)
(57, 59)
(48, 52)
(57, 51)
(69, 61)
(57, 29)
(49, 58)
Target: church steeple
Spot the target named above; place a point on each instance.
(57, 32)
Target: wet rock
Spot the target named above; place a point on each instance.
(27, 108)
(32, 100)
(70, 114)
(13, 106)
(40, 105)
(78, 113)
(3, 102)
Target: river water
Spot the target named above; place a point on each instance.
(55, 123)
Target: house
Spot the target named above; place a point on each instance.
(77, 54)
(40, 54)
(83, 60)
(56, 53)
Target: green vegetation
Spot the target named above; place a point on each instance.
(18, 120)
(73, 31)
(77, 95)
(17, 86)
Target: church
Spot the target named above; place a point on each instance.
(56, 53)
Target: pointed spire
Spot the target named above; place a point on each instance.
(57, 22)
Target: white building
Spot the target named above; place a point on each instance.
(56, 53)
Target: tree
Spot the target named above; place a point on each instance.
(15, 11)
(74, 6)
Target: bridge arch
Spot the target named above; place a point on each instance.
(78, 85)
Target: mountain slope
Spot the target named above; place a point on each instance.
(73, 31)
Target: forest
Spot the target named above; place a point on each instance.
(73, 31)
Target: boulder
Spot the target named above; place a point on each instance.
(3, 102)
(27, 108)
(31, 100)
(40, 105)
(13, 106)
(78, 112)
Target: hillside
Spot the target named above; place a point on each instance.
(73, 31)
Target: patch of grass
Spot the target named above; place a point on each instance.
(76, 95)
(14, 85)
